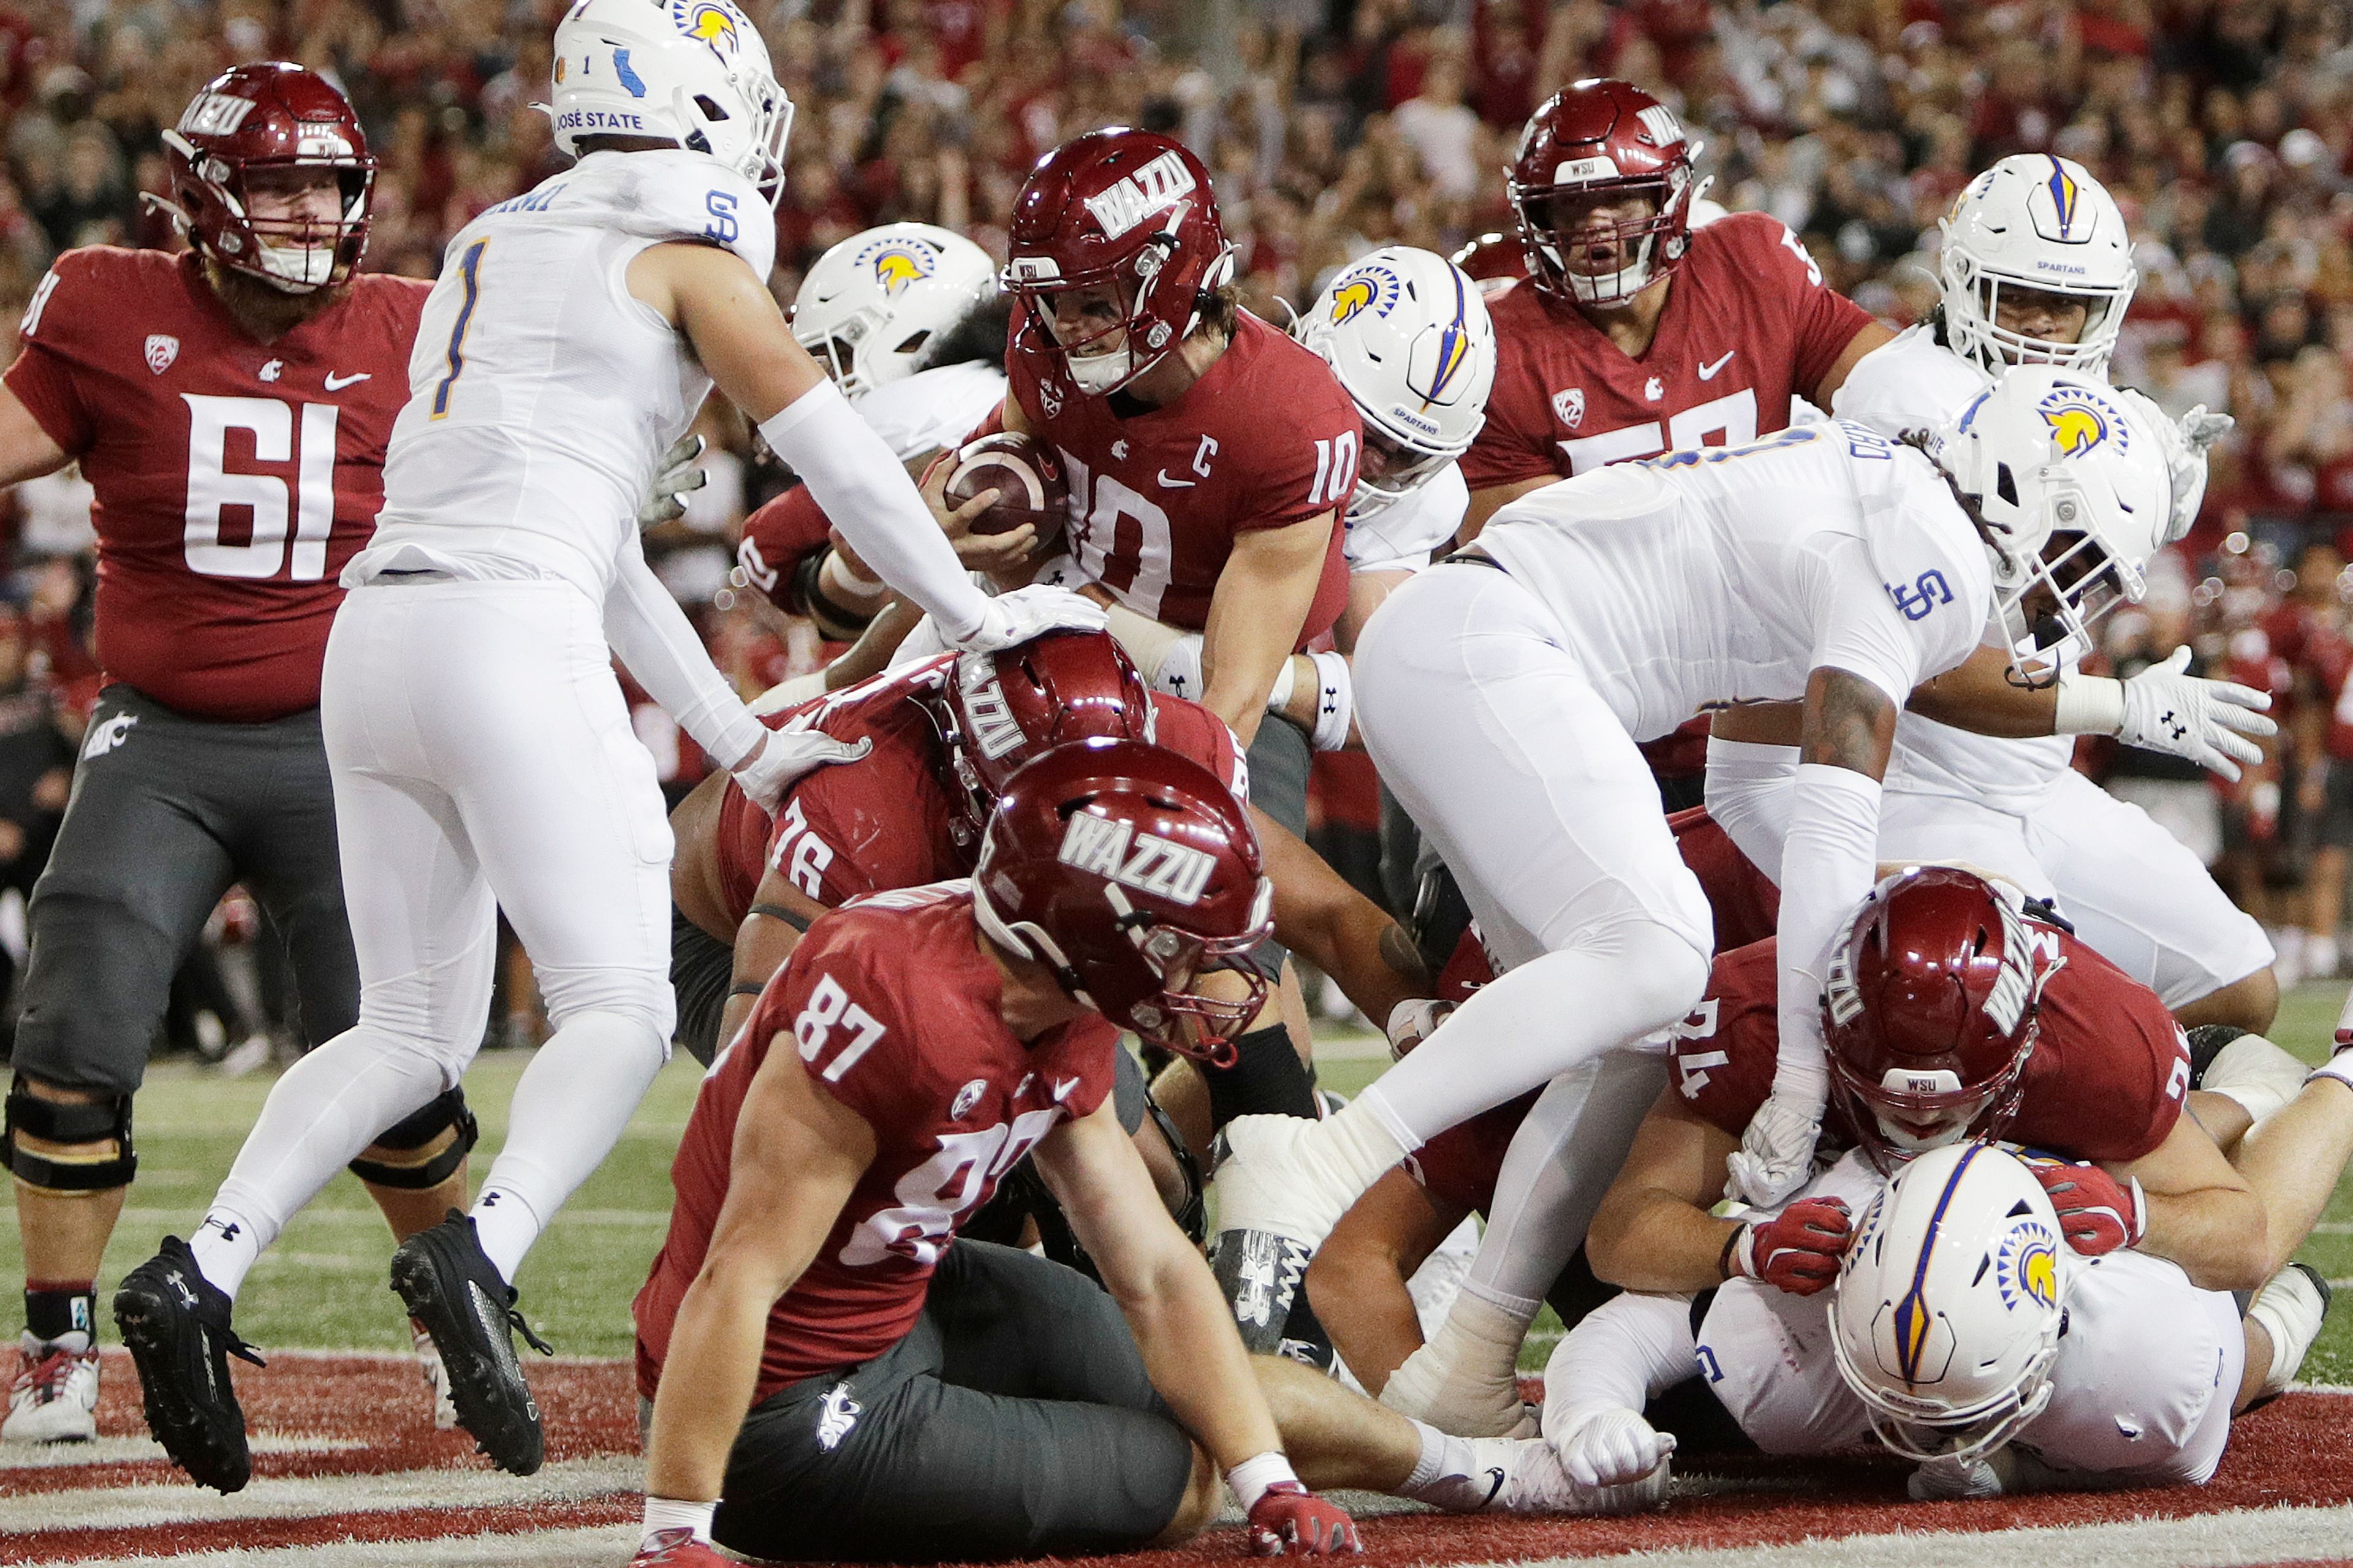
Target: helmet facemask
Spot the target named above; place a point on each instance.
(1553, 244)
(1179, 1017)
(2047, 605)
(1101, 372)
(295, 255)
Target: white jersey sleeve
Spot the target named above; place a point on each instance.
(1402, 536)
(932, 409)
(1907, 384)
(689, 195)
(1906, 594)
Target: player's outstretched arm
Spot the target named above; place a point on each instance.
(1191, 1348)
(798, 1154)
(1161, 1284)
(25, 450)
(2214, 723)
(2181, 1200)
(1321, 917)
(1828, 864)
(740, 338)
(1653, 1231)
(1262, 602)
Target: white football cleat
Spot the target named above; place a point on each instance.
(437, 1378)
(54, 1398)
(1523, 1475)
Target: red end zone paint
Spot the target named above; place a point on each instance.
(2298, 1450)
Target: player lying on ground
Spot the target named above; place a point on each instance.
(1998, 1022)
(1502, 694)
(835, 1376)
(1970, 1327)
(573, 334)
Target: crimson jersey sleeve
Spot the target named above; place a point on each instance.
(1517, 442)
(2110, 1067)
(43, 374)
(842, 1000)
(777, 537)
(1192, 732)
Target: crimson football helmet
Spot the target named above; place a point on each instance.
(1931, 1010)
(1125, 210)
(999, 710)
(255, 117)
(1132, 873)
(1601, 138)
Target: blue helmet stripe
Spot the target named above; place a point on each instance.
(1908, 1345)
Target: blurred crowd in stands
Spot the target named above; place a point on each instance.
(2223, 127)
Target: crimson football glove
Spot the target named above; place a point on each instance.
(1287, 1517)
(2097, 1213)
(677, 1549)
(1797, 1250)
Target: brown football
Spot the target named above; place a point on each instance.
(1026, 478)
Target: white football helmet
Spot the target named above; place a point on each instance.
(1408, 333)
(2034, 221)
(870, 304)
(2070, 485)
(695, 72)
(1948, 1308)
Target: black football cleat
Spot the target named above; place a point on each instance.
(174, 1322)
(453, 1288)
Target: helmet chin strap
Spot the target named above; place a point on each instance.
(1096, 375)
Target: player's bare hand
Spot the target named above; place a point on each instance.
(1288, 1518)
(955, 521)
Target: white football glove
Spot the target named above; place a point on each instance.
(2207, 721)
(1413, 1021)
(679, 473)
(1777, 1152)
(785, 756)
(1032, 612)
(1613, 1448)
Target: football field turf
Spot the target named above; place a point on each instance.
(323, 1286)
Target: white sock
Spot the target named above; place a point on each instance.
(1445, 1461)
(329, 1105)
(568, 1112)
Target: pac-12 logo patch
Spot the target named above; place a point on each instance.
(967, 1098)
(162, 348)
(2080, 419)
(1570, 405)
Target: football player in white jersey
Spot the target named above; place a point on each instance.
(482, 756)
(1503, 691)
(2037, 269)
(1943, 1338)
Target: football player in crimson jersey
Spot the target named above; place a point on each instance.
(1635, 333)
(231, 407)
(835, 1376)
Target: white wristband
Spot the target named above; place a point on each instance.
(837, 566)
(1278, 696)
(2088, 705)
(669, 1513)
(1335, 701)
(1254, 1476)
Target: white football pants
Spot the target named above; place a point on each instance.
(484, 760)
(1528, 785)
(2142, 900)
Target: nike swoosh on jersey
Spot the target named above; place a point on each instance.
(1707, 371)
(337, 382)
(1494, 1475)
(1168, 484)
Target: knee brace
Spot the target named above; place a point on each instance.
(446, 1112)
(1267, 1079)
(57, 1122)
